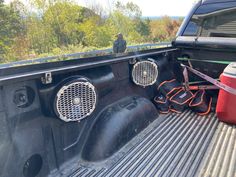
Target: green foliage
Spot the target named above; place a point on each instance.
(11, 27)
(96, 33)
(64, 20)
(40, 35)
(120, 23)
(57, 27)
(143, 27)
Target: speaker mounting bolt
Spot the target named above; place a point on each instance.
(76, 101)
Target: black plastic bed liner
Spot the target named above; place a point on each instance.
(173, 145)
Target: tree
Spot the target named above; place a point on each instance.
(143, 27)
(11, 27)
(164, 29)
(96, 33)
(129, 9)
(128, 17)
(64, 19)
(62, 26)
(40, 35)
(119, 23)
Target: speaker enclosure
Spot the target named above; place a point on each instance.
(75, 99)
(145, 73)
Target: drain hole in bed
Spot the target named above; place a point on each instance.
(33, 166)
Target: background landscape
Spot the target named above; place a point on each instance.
(56, 27)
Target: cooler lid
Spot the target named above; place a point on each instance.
(230, 70)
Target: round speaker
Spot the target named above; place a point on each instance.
(145, 73)
(75, 100)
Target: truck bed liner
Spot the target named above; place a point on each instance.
(173, 145)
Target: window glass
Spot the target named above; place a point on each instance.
(211, 22)
(192, 29)
(220, 25)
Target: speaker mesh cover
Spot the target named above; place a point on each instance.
(145, 73)
(76, 101)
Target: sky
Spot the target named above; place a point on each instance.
(152, 7)
(148, 7)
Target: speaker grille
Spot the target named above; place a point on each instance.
(76, 101)
(145, 73)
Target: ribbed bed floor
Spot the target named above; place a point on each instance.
(175, 145)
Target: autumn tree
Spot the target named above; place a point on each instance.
(164, 29)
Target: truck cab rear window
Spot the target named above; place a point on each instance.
(191, 29)
(220, 23)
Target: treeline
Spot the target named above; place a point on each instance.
(52, 27)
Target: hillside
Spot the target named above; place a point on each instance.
(59, 27)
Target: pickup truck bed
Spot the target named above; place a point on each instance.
(121, 134)
(173, 145)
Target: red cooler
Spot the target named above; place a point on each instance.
(226, 104)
